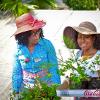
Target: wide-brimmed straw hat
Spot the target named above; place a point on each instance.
(86, 28)
(27, 22)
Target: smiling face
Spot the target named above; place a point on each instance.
(85, 42)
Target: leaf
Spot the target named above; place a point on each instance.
(82, 4)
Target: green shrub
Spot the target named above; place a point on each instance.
(82, 4)
(41, 91)
(17, 7)
(77, 69)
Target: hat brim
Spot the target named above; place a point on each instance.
(84, 30)
(71, 32)
(23, 29)
(29, 27)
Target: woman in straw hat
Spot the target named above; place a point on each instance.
(86, 38)
(35, 56)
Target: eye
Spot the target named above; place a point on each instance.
(87, 36)
(38, 32)
(80, 36)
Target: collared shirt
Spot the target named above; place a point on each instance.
(41, 63)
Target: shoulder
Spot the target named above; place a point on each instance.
(98, 52)
(19, 49)
(47, 45)
(45, 42)
(78, 53)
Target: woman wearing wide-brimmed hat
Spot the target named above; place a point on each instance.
(86, 38)
(35, 56)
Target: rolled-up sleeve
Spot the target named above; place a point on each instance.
(17, 76)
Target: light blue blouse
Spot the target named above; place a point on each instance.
(41, 63)
(89, 65)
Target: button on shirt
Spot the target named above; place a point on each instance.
(40, 63)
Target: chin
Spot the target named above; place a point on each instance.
(84, 49)
(35, 42)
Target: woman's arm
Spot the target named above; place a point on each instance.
(17, 76)
(52, 59)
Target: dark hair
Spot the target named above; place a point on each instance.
(97, 41)
(22, 38)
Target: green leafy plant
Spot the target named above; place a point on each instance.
(77, 69)
(82, 4)
(17, 7)
(44, 4)
(40, 91)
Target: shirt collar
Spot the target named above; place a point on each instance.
(41, 41)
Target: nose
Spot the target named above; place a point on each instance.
(83, 39)
(36, 36)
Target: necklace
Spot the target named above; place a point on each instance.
(89, 55)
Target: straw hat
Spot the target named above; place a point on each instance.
(86, 28)
(27, 22)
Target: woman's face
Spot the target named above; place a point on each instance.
(85, 42)
(34, 38)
